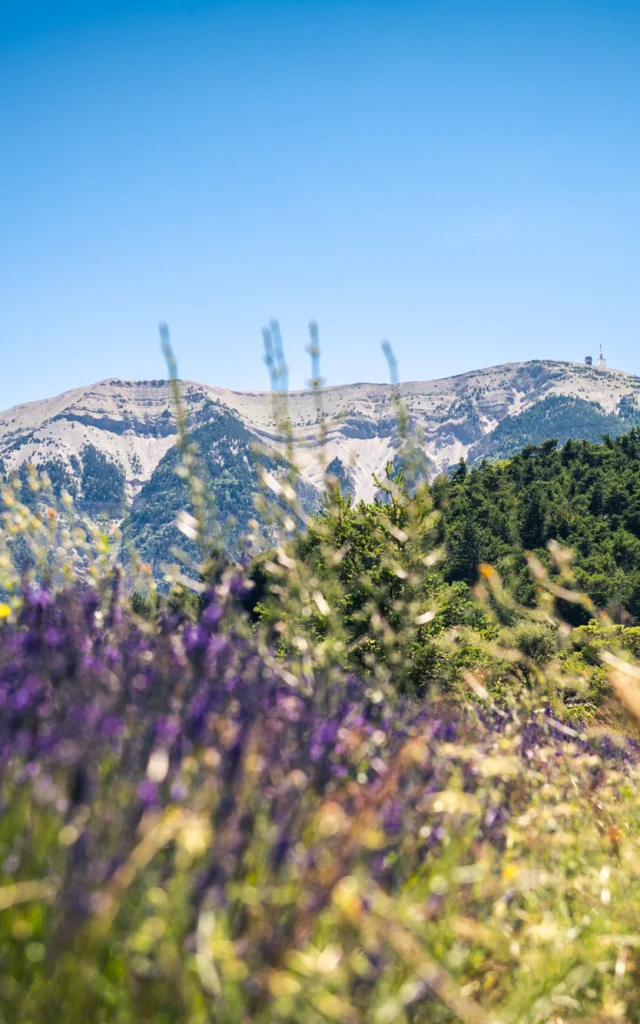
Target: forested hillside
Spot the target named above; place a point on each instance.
(559, 416)
(226, 466)
(585, 496)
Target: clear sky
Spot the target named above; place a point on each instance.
(460, 176)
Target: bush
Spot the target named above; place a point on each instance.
(537, 641)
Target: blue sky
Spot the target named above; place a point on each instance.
(459, 176)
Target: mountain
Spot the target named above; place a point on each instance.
(112, 444)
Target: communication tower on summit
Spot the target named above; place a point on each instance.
(602, 362)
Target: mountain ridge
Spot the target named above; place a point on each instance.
(107, 443)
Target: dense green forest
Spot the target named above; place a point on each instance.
(584, 496)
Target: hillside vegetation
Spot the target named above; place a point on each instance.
(584, 496)
(226, 466)
(561, 416)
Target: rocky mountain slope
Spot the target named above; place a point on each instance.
(112, 443)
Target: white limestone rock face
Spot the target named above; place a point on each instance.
(131, 424)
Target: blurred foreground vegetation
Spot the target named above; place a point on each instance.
(359, 779)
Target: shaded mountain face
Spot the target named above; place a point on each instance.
(226, 464)
(558, 416)
(112, 444)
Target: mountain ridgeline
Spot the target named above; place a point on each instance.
(112, 447)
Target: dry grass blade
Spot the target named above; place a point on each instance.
(27, 892)
(541, 577)
(625, 680)
(162, 833)
(426, 967)
(435, 976)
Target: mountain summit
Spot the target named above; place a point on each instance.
(112, 444)
(130, 423)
